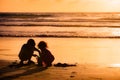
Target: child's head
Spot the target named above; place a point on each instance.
(31, 42)
(42, 45)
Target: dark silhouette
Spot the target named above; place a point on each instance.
(27, 51)
(29, 70)
(64, 65)
(46, 58)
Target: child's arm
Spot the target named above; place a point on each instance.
(37, 51)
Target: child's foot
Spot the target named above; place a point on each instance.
(30, 62)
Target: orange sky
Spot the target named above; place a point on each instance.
(59, 5)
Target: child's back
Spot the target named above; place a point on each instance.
(26, 52)
(47, 57)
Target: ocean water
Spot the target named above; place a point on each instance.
(60, 24)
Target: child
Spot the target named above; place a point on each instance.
(27, 51)
(46, 58)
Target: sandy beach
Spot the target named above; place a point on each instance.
(84, 33)
(87, 54)
(79, 72)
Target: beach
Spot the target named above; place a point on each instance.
(95, 59)
(79, 72)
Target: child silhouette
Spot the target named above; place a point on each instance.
(46, 58)
(27, 51)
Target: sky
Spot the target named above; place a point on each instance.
(59, 5)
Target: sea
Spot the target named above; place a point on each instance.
(71, 37)
(96, 25)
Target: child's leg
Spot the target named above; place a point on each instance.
(39, 61)
(21, 62)
(49, 64)
(30, 62)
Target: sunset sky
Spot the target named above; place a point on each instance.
(59, 5)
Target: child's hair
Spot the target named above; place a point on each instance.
(42, 44)
(31, 42)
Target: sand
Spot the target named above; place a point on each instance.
(88, 53)
(79, 72)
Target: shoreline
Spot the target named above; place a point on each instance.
(52, 36)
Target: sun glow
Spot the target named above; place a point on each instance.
(114, 3)
(115, 65)
(116, 33)
(60, 5)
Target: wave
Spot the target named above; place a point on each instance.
(61, 19)
(60, 25)
(25, 15)
(58, 34)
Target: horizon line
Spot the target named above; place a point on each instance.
(58, 12)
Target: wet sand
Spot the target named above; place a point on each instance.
(79, 72)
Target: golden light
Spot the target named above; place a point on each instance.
(116, 33)
(115, 65)
(60, 5)
(114, 3)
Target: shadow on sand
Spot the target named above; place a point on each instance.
(8, 73)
